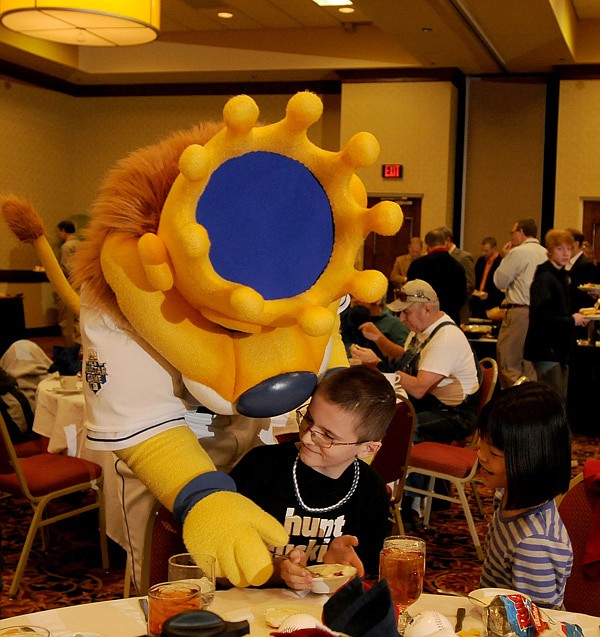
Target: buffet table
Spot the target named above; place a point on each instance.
(124, 618)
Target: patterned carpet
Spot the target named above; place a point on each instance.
(69, 571)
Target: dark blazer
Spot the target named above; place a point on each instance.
(583, 271)
(446, 276)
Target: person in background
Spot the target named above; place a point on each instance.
(521, 256)
(462, 256)
(444, 273)
(402, 263)
(525, 453)
(588, 250)
(581, 270)
(334, 506)
(550, 336)
(361, 312)
(486, 295)
(436, 367)
(69, 323)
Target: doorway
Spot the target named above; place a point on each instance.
(591, 225)
(380, 252)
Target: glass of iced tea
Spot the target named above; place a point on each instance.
(402, 564)
(168, 599)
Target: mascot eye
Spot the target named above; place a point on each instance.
(269, 222)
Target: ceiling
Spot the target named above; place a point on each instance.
(296, 40)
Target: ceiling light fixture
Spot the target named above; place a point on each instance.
(333, 3)
(226, 15)
(84, 22)
(346, 10)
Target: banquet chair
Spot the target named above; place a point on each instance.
(391, 461)
(43, 478)
(576, 508)
(455, 464)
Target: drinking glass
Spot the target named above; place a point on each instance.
(170, 598)
(199, 569)
(402, 564)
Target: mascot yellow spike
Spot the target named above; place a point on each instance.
(213, 273)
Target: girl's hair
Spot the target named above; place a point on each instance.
(363, 392)
(529, 424)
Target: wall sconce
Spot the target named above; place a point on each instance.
(84, 22)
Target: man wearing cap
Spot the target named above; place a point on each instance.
(523, 253)
(436, 366)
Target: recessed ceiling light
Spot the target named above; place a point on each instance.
(346, 9)
(225, 15)
(426, 29)
(333, 3)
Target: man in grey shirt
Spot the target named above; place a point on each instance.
(515, 274)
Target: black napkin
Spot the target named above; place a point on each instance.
(66, 360)
(359, 613)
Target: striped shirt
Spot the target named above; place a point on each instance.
(530, 553)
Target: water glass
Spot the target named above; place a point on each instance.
(199, 569)
(402, 564)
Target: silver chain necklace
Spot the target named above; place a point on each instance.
(333, 506)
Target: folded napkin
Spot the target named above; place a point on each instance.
(591, 558)
(359, 613)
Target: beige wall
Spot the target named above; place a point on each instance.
(578, 153)
(57, 149)
(504, 158)
(414, 123)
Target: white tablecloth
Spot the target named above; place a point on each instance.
(123, 617)
(60, 417)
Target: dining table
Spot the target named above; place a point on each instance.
(125, 617)
(60, 417)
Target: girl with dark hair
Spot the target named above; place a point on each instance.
(525, 453)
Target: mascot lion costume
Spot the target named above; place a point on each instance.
(212, 274)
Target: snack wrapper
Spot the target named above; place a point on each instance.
(515, 615)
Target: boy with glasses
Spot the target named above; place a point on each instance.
(333, 505)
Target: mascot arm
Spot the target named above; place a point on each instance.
(338, 358)
(224, 524)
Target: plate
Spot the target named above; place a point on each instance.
(483, 596)
(589, 287)
(477, 329)
(327, 578)
(592, 313)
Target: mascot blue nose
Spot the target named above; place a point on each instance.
(277, 395)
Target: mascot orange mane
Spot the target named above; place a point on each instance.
(214, 267)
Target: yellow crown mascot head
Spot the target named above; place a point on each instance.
(215, 267)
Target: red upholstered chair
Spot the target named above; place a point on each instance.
(582, 593)
(391, 461)
(163, 538)
(45, 477)
(457, 465)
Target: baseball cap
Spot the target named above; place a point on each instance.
(416, 291)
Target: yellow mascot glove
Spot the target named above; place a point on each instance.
(224, 524)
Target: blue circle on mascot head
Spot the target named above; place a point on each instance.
(269, 222)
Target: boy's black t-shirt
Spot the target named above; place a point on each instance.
(264, 475)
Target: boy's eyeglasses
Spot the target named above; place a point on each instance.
(318, 437)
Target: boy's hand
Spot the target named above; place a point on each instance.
(341, 551)
(293, 572)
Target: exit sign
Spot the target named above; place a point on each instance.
(391, 171)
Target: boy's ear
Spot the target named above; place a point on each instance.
(369, 448)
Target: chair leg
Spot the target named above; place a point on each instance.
(469, 517)
(127, 578)
(33, 528)
(429, 500)
(477, 498)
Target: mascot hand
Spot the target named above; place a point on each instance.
(235, 530)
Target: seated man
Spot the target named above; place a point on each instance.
(334, 506)
(360, 312)
(436, 367)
